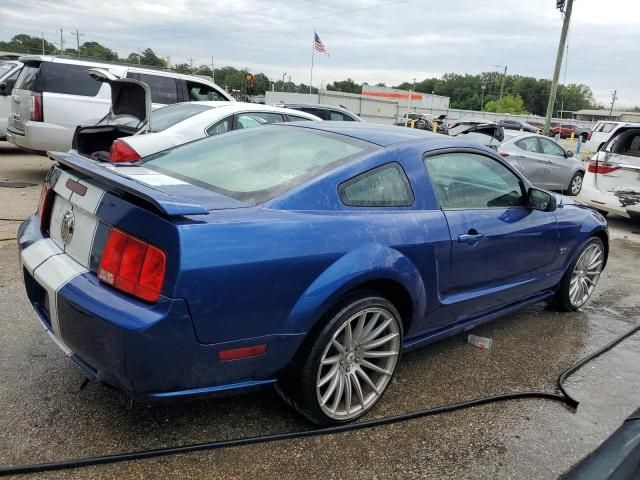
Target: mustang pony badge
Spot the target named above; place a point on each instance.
(67, 226)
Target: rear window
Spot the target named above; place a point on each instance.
(202, 92)
(28, 76)
(5, 68)
(166, 117)
(256, 165)
(68, 79)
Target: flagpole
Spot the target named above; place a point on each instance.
(313, 52)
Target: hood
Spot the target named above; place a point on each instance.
(129, 98)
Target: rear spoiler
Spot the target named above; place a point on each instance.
(170, 205)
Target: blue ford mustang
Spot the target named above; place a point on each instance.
(304, 255)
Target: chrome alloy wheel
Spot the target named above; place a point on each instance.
(358, 363)
(576, 185)
(585, 274)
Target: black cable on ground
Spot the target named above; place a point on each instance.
(563, 397)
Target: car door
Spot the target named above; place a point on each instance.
(500, 248)
(531, 161)
(558, 171)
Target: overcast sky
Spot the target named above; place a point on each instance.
(369, 40)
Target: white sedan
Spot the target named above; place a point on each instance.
(133, 130)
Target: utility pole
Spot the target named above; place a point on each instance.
(78, 35)
(566, 8)
(283, 75)
(43, 52)
(482, 87)
(61, 42)
(504, 77)
(190, 60)
(614, 97)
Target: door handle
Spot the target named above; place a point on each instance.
(471, 238)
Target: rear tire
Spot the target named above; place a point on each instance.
(581, 278)
(343, 372)
(575, 185)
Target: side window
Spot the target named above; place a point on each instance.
(223, 126)
(69, 79)
(163, 89)
(201, 92)
(607, 127)
(384, 186)
(296, 118)
(255, 119)
(551, 148)
(466, 181)
(318, 112)
(334, 115)
(634, 146)
(529, 144)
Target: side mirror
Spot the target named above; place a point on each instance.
(569, 154)
(4, 90)
(540, 200)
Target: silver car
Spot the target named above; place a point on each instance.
(545, 163)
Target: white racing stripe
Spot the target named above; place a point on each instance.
(54, 274)
(36, 253)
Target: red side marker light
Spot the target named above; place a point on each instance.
(245, 352)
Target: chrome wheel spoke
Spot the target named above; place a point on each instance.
(378, 353)
(379, 342)
(368, 380)
(358, 389)
(330, 360)
(372, 366)
(339, 393)
(370, 325)
(347, 393)
(379, 329)
(332, 387)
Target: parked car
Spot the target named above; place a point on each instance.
(602, 131)
(545, 163)
(53, 95)
(424, 121)
(485, 132)
(612, 181)
(325, 112)
(129, 133)
(307, 255)
(564, 130)
(511, 124)
(9, 71)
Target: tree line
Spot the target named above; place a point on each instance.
(469, 92)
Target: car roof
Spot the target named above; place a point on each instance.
(316, 105)
(381, 135)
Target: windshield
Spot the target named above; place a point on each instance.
(168, 116)
(256, 165)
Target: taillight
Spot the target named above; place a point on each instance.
(132, 266)
(589, 135)
(44, 207)
(122, 152)
(504, 154)
(36, 107)
(597, 167)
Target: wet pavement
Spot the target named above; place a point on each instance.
(45, 415)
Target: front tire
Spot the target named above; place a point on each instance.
(342, 373)
(581, 278)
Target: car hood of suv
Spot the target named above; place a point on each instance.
(129, 98)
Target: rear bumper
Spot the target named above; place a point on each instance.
(145, 350)
(40, 136)
(625, 204)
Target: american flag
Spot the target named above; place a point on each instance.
(318, 45)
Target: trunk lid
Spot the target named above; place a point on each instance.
(167, 195)
(130, 99)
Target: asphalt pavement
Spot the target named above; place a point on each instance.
(46, 414)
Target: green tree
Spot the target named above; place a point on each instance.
(96, 50)
(508, 104)
(24, 43)
(185, 68)
(347, 85)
